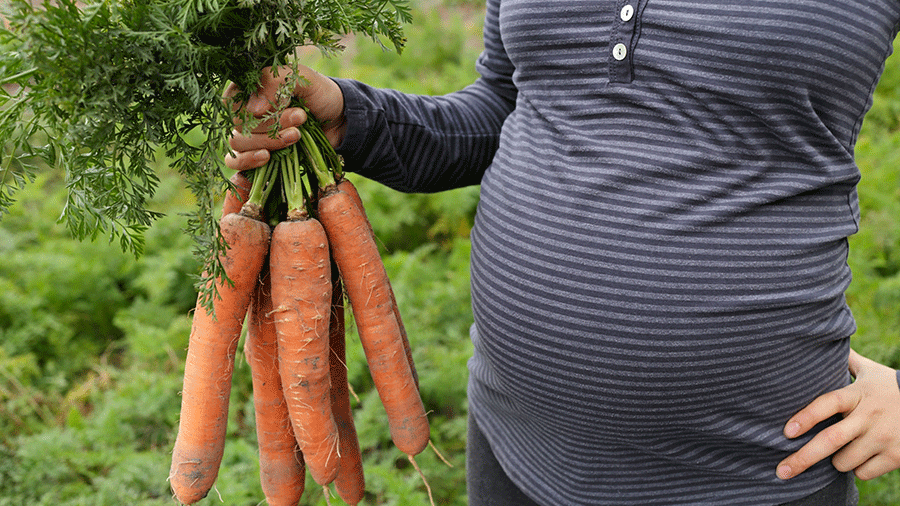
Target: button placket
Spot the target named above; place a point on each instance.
(623, 40)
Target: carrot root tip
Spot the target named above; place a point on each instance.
(438, 453)
(412, 460)
(327, 493)
(352, 392)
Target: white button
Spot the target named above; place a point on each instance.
(620, 51)
(627, 13)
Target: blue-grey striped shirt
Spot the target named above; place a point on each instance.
(659, 256)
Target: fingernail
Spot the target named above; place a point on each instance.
(792, 429)
(784, 471)
(290, 135)
(298, 117)
(261, 155)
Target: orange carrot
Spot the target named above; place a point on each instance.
(210, 361)
(301, 299)
(237, 196)
(282, 473)
(358, 260)
(347, 187)
(350, 482)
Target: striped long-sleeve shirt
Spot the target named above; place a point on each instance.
(659, 257)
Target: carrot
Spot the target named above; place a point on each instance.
(236, 197)
(301, 299)
(359, 262)
(282, 472)
(210, 361)
(350, 481)
(347, 187)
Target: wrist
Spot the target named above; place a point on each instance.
(347, 134)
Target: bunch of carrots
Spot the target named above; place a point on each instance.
(287, 283)
(138, 75)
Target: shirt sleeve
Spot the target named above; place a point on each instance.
(422, 144)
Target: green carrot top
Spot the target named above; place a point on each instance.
(102, 88)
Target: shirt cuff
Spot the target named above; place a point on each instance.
(358, 118)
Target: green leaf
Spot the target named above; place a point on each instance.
(113, 81)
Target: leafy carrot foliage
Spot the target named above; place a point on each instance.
(101, 89)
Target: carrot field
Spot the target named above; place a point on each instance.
(93, 340)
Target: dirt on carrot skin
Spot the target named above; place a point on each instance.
(350, 482)
(301, 297)
(346, 186)
(282, 470)
(367, 285)
(212, 345)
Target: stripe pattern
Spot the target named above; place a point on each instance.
(659, 255)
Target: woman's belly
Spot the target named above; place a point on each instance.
(603, 325)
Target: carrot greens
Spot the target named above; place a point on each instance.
(101, 88)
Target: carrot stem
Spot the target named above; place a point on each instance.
(296, 190)
(317, 146)
(263, 181)
(322, 170)
(334, 161)
(264, 178)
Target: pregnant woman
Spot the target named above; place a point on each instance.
(659, 256)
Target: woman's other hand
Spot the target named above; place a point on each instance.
(867, 440)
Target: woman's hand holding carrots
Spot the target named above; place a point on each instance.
(318, 93)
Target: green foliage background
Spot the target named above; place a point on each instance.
(92, 341)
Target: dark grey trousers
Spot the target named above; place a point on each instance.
(488, 485)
